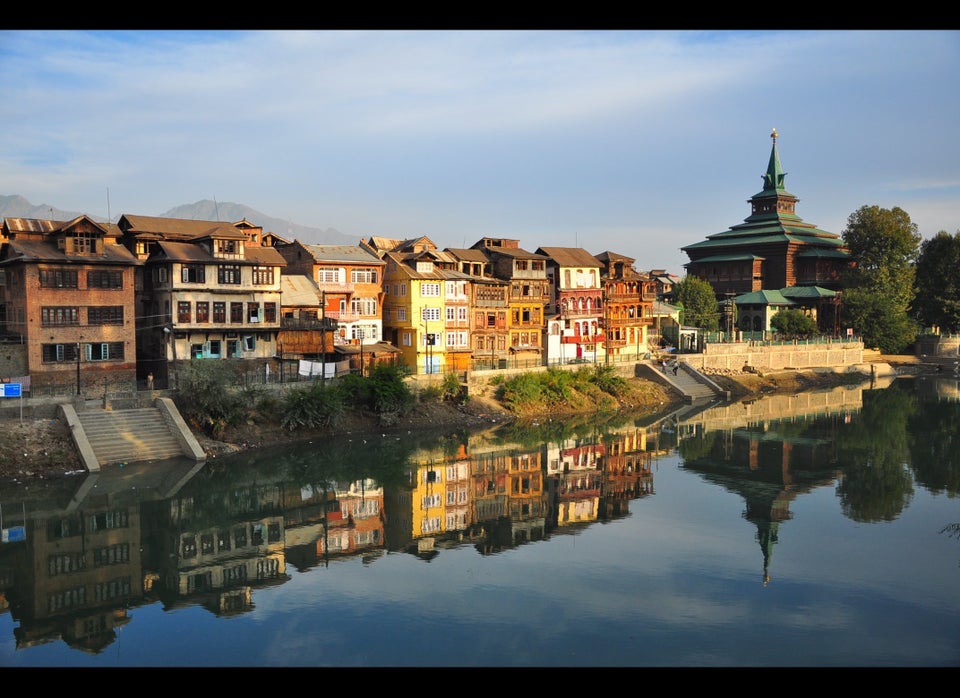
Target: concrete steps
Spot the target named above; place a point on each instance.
(694, 386)
(126, 436)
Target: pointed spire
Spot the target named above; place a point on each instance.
(774, 178)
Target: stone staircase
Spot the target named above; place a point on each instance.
(694, 386)
(127, 436)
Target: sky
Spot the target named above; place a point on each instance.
(630, 141)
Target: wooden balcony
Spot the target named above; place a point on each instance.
(582, 339)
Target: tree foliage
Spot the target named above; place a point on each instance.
(793, 324)
(938, 282)
(699, 303)
(879, 290)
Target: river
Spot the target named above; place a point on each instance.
(813, 530)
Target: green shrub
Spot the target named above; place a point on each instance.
(208, 397)
(316, 405)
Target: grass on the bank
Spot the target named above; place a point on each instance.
(210, 401)
(599, 386)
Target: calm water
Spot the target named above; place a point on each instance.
(808, 530)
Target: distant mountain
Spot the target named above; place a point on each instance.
(16, 206)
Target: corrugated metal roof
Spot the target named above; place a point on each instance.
(297, 290)
(343, 253)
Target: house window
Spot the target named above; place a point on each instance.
(105, 279)
(262, 275)
(59, 353)
(401, 314)
(183, 312)
(213, 348)
(227, 246)
(236, 313)
(203, 311)
(228, 274)
(269, 312)
(58, 278)
(363, 276)
(106, 315)
(249, 342)
(53, 316)
(233, 348)
(219, 312)
(427, 314)
(85, 242)
(329, 276)
(160, 275)
(104, 351)
(364, 306)
(406, 339)
(253, 312)
(430, 290)
(193, 273)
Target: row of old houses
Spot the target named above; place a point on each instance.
(91, 306)
(89, 303)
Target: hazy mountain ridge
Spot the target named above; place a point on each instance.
(15, 206)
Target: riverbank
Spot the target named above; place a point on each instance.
(44, 448)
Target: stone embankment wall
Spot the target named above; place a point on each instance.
(733, 356)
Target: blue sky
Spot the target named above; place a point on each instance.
(636, 142)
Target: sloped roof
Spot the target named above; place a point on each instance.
(268, 256)
(402, 263)
(297, 290)
(570, 256)
(468, 254)
(343, 253)
(807, 292)
(180, 251)
(46, 251)
(730, 257)
(763, 298)
(608, 256)
(178, 227)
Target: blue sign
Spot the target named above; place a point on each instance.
(14, 534)
(11, 390)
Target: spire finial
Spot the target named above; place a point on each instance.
(773, 135)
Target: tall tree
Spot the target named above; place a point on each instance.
(699, 303)
(879, 290)
(938, 282)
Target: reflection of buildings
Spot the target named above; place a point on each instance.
(626, 470)
(768, 467)
(573, 467)
(79, 563)
(493, 497)
(213, 546)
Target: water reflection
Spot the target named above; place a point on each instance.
(80, 553)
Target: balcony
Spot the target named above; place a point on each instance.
(587, 312)
(582, 339)
(343, 316)
(320, 324)
(336, 287)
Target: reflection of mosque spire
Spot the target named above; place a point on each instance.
(767, 537)
(767, 515)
